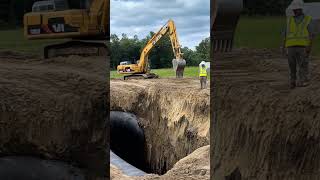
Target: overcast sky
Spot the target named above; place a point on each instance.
(139, 17)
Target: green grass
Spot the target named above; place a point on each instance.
(14, 40)
(264, 32)
(165, 73)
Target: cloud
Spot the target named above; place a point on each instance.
(139, 17)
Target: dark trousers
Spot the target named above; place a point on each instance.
(298, 64)
(203, 82)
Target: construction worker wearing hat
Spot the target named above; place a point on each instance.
(203, 74)
(298, 41)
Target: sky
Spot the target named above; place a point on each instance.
(139, 17)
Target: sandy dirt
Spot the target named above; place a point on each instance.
(261, 128)
(174, 114)
(54, 109)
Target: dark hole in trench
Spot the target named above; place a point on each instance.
(235, 175)
(128, 140)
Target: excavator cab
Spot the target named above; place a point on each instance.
(224, 19)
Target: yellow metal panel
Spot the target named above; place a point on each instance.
(33, 19)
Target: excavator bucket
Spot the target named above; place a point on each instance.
(224, 19)
(178, 67)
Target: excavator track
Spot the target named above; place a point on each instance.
(224, 19)
(141, 76)
(81, 48)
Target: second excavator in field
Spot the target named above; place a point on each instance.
(141, 67)
(87, 25)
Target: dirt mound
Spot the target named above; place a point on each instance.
(174, 114)
(195, 166)
(262, 129)
(54, 109)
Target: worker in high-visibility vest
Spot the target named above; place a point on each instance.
(203, 75)
(299, 35)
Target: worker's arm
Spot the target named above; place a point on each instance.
(311, 29)
(283, 45)
(309, 48)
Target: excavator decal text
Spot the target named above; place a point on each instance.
(58, 28)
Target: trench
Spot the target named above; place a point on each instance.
(171, 123)
(129, 142)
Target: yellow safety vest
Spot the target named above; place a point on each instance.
(203, 72)
(297, 33)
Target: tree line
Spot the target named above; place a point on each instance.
(128, 49)
(267, 7)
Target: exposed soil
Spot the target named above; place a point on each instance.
(55, 109)
(261, 128)
(174, 114)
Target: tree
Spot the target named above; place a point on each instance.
(203, 50)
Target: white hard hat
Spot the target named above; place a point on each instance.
(296, 4)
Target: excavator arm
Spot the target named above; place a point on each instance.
(99, 15)
(169, 28)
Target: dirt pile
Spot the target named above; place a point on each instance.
(195, 166)
(174, 114)
(54, 109)
(262, 129)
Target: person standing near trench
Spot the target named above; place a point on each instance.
(203, 75)
(299, 35)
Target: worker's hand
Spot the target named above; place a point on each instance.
(283, 51)
(308, 51)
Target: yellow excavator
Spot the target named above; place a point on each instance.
(87, 26)
(141, 67)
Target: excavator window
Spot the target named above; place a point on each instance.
(43, 6)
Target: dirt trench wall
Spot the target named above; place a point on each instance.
(263, 130)
(175, 120)
(55, 109)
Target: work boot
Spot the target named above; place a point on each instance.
(303, 84)
(292, 85)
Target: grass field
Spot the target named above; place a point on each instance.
(14, 40)
(165, 73)
(264, 32)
